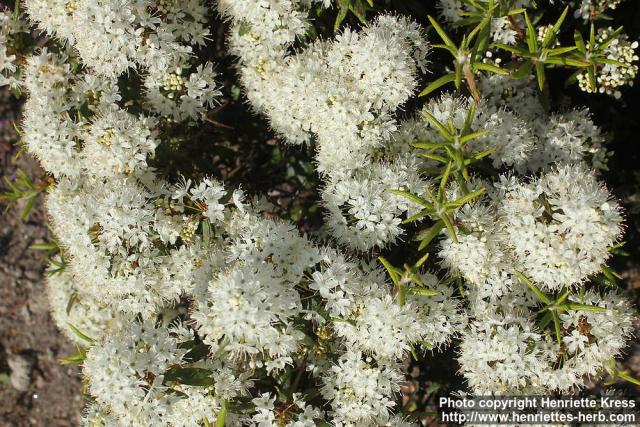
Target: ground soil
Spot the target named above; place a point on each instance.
(35, 389)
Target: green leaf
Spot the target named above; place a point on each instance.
(610, 274)
(421, 261)
(583, 307)
(466, 198)
(477, 30)
(625, 376)
(435, 157)
(517, 11)
(551, 34)
(577, 37)
(471, 114)
(480, 155)
(617, 249)
(417, 199)
(610, 38)
(610, 62)
(28, 206)
(523, 71)
(449, 224)
(16, 11)
(436, 123)
(491, 68)
(393, 272)
(425, 292)
(79, 333)
(189, 376)
(513, 49)
(556, 326)
(559, 50)
(444, 180)
(426, 236)
(402, 294)
(359, 10)
(532, 42)
(457, 80)
(222, 415)
(546, 319)
(540, 75)
(441, 33)
(574, 62)
(76, 359)
(418, 216)
(438, 84)
(473, 135)
(342, 14)
(541, 295)
(429, 145)
(44, 247)
(453, 51)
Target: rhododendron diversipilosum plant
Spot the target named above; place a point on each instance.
(191, 307)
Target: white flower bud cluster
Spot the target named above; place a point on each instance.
(622, 71)
(590, 9)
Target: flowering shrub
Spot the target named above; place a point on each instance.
(191, 306)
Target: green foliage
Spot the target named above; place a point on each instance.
(54, 256)
(76, 359)
(410, 274)
(554, 304)
(358, 8)
(452, 153)
(222, 415)
(530, 54)
(188, 376)
(80, 334)
(23, 189)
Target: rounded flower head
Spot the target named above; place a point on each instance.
(561, 226)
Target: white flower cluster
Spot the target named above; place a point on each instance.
(555, 229)
(188, 294)
(196, 307)
(505, 352)
(10, 27)
(502, 27)
(340, 94)
(621, 71)
(590, 9)
(155, 38)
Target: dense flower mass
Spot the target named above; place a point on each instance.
(191, 305)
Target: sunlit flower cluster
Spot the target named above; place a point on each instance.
(190, 306)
